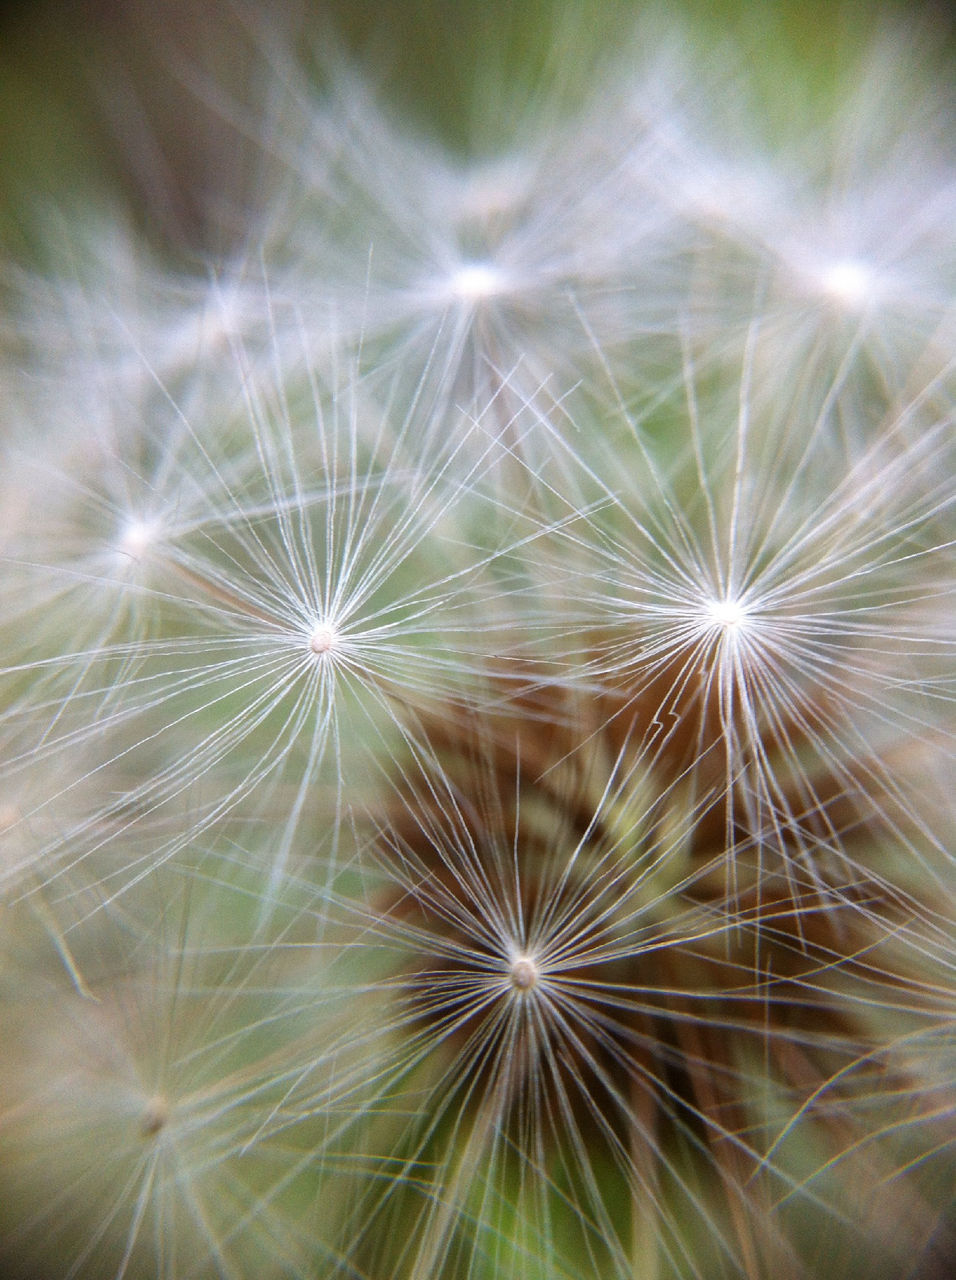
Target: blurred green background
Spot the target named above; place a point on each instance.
(98, 98)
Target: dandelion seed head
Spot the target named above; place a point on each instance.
(524, 972)
(580, 580)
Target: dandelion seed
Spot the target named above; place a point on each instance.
(281, 621)
(645, 1040)
(144, 1114)
(744, 637)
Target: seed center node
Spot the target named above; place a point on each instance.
(524, 973)
(323, 638)
(155, 1116)
(727, 613)
(476, 281)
